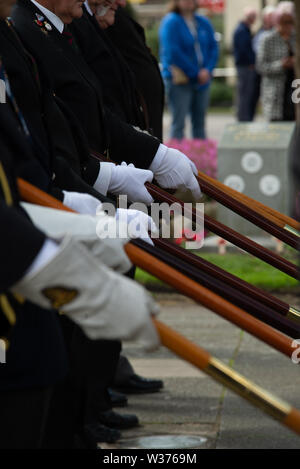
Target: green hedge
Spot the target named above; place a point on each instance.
(222, 94)
(152, 39)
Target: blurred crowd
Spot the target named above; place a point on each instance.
(264, 59)
(265, 63)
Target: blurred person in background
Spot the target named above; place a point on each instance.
(275, 62)
(244, 57)
(268, 23)
(189, 54)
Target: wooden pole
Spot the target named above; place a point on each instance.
(248, 211)
(272, 214)
(230, 235)
(240, 285)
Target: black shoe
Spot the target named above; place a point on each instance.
(109, 418)
(139, 385)
(96, 433)
(117, 399)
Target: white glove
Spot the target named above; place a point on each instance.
(103, 303)
(88, 231)
(138, 224)
(124, 180)
(173, 170)
(81, 203)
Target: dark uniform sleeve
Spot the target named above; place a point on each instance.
(128, 144)
(67, 179)
(20, 242)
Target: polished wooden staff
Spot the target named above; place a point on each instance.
(281, 411)
(250, 214)
(182, 283)
(239, 285)
(200, 358)
(282, 220)
(223, 231)
(227, 233)
(250, 304)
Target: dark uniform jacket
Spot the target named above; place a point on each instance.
(120, 94)
(36, 355)
(62, 154)
(74, 82)
(129, 37)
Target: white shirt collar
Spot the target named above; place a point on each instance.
(55, 20)
(87, 6)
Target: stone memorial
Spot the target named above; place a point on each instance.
(253, 159)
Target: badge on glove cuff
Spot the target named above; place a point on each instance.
(60, 296)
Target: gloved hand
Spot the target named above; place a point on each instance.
(89, 231)
(125, 180)
(138, 224)
(104, 236)
(81, 203)
(103, 303)
(173, 170)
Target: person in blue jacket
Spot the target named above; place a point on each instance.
(189, 53)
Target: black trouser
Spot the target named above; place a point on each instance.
(76, 401)
(23, 415)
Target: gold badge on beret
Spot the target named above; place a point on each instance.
(60, 296)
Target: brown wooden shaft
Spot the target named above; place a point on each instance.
(245, 287)
(248, 303)
(238, 196)
(182, 347)
(250, 214)
(230, 235)
(292, 421)
(263, 209)
(33, 195)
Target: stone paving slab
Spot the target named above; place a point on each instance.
(184, 400)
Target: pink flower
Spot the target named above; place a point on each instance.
(202, 152)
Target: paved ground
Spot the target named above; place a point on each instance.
(216, 123)
(192, 404)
